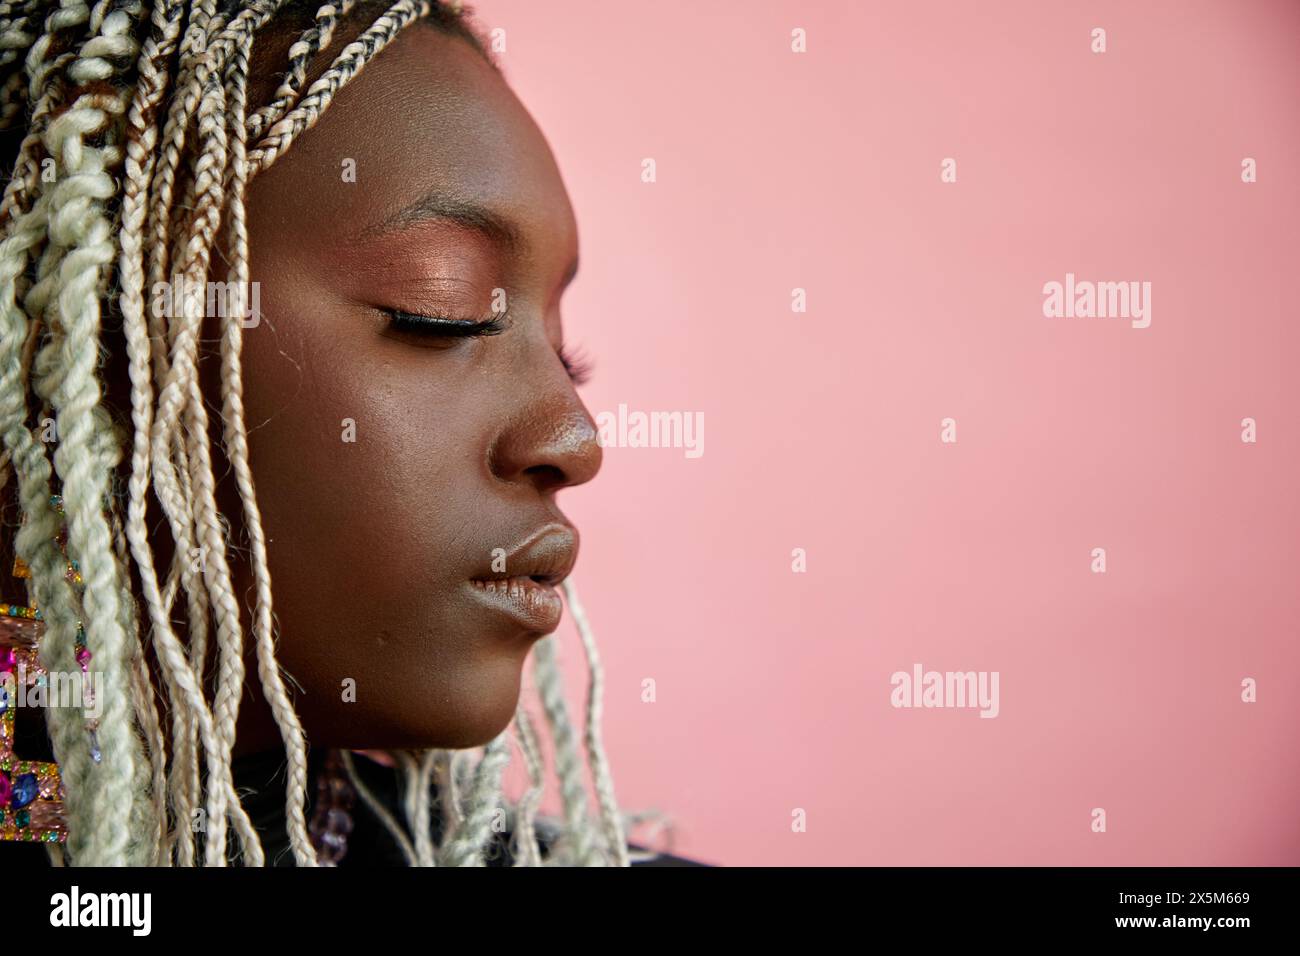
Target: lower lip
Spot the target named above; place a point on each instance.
(537, 607)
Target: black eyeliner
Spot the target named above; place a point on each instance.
(444, 326)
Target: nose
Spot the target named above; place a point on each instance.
(550, 445)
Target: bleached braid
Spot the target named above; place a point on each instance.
(19, 190)
(173, 463)
(141, 138)
(527, 852)
(465, 845)
(16, 37)
(417, 771)
(168, 27)
(35, 539)
(176, 503)
(579, 845)
(350, 62)
(236, 436)
(79, 224)
(615, 839)
(181, 393)
(183, 102)
(92, 86)
(301, 54)
(146, 710)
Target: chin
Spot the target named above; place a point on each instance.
(472, 715)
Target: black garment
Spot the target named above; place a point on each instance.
(260, 779)
(370, 843)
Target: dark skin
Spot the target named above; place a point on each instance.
(461, 443)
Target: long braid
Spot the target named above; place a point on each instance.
(179, 396)
(15, 39)
(193, 268)
(35, 539)
(20, 189)
(527, 851)
(351, 61)
(196, 476)
(236, 437)
(301, 54)
(615, 840)
(578, 846)
(221, 788)
(417, 771)
(180, 465)
(79, 224)
(465, 845)
(141, 137)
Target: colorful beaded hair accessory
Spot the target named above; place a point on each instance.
(31, 791)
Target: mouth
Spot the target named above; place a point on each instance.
(535, 605)
(523, 583)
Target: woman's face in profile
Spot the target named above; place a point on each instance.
(401, 461)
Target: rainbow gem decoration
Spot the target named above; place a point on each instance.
(31, 791)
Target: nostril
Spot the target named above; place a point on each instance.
(549, 446)
(546, 477)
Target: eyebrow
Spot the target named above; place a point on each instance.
(437, 207)
(434, 207)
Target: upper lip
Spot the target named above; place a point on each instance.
(547, 556)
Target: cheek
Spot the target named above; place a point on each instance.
(358, 470)
(369, 475)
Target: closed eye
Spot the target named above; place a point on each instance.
(443, 326)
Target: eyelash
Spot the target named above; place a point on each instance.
(446, 327)
(577, 366)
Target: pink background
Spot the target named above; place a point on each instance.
(821, 170)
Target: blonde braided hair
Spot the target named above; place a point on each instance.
(140, 108)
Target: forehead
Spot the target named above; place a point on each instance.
(427, 115)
